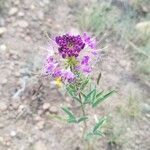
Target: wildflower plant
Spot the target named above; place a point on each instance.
(70, 61)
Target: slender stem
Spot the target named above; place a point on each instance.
(89, 146)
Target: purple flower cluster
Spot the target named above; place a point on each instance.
(69, 48)
(69, 45)
(85, 65)
(90, 42)
(52, 68)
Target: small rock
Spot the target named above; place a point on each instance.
(2, 30)
(17, 74)
(13, 11)
(21, 14)
(13, 133)
(37, 118)
(4, 81)
(2, 141)
(40, 125)
(32, 7)
(16, 2)
(39, 145)
(145, 108)
(40, 112)
(53, 109)
(40, 15)
(23, 24)
(143, 27)
(1, 125)
(21, 108)
(3, 106)
(148, 115)
(46, 106)
(3, 47)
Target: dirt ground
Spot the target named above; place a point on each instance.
(24, 123)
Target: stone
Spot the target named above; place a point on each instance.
(23, 23)
(40, 125)
(3, 47)
(2, 30)
(40, 15)
(16, 2)
(1, 125)
(143, 27)
(39, 145)
(46, 106)
(145, 108)
(37, 118)
(2, 141)
(20, 14)
(3, 106)
(53, 109)
(4, 81)
(13, 133)
(13, 11)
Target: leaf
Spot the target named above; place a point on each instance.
(89, 136)
(98, 79)
(71, 117)
(82, 119)
(83, 85)
(78, 99)
(102, 98)
(99, 94)
(90, 96)
(99, 133)
(71, 92)
(99, 124)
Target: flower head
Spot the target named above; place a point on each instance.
(72, 61)
(69, 46)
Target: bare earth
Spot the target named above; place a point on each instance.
(24, 123)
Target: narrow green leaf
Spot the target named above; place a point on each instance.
(78, 99)
(99, 124)
(73, 120)
(89, 136)
(99, 133)
(83, 85)
(82, 119)
(69, 113)
(89, 97)
(99, 94)
(102, 98)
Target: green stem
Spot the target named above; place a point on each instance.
(89, 146)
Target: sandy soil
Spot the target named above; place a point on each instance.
(24, 124)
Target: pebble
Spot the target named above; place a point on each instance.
(37, 118)
(13, 133)
(40, 125)
(2, 141)
(23, 23)
(1, 125)
(4, 81)
(145, 108)
(21, 108)
(2, 30)
(39, 145)
(13, 11)
(46, 106)
(3, 47)
(3, 106)
(16, 2)
(40, 15)
(21, 14)
(53, 109)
